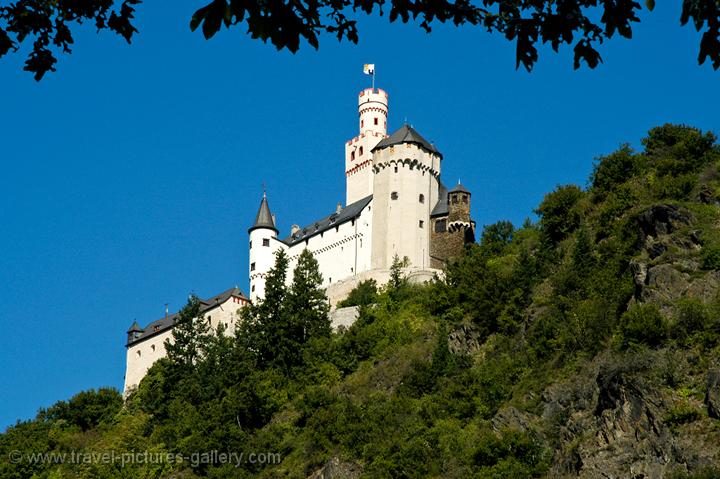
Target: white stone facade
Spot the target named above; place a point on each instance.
(392, 186)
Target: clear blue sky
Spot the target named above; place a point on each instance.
(131, 175)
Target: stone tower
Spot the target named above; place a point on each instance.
(406, 171)
(373, 114)
(262, 234)
(452, 227)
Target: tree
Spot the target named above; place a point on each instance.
(559, 212)
(307, 301)
(265, 325)
(584, 24)
(191, 336)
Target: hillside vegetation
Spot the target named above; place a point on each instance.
(586, 344)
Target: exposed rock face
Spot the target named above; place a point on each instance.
(664, 283)
(464, 340)
(662, 220)
(712, 395)
(337, 469)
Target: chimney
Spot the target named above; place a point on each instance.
(339, 208)
(294, 229)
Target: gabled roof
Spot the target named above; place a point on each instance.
(406, 134)
(134, 328)
(163, 324)
(348, 213)
(441, 208)
(264, 218)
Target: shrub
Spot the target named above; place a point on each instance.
(559, 212)
(87, 409)
(643, 324)
(692, 316)
(711, 257)
(364, 294)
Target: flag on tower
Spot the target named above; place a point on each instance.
(369, 68)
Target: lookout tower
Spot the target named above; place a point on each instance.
(373, 115)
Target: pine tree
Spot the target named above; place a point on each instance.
(266, 324)
(307, 301)
(191, 336)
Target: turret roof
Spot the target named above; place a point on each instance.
(264, 218)
(407, 134)
(459, 188)
(134, 328)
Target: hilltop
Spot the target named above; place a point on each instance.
(585, 344)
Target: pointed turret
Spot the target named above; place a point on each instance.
(264, 218)
(134, 331)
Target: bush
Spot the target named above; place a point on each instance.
(643, 324)
(711, 257)
(692, 316)
(364, 294)
(559, 212)
(87, 409)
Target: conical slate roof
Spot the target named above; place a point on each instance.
(264, 218)
(459, 188)
(406, 134)
(135, 328)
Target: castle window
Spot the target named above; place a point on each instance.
(252, 288)
(139, 353)
(362, 123)
(454, 199)
(394, 195)
(440, 226)
(465, 198)
(251, 245)
(352, 222)
(266, 242)
(421, 224)
(421, 198)
(152, 348)
(352, 155)
(252, 266)
(361, 151)
(376, 120)
(396, 169)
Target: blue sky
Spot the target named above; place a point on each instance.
(132, 174)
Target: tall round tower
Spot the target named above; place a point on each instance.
(263, 234)
(373, 115)
(405, 190)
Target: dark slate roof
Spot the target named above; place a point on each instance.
(459, 188)
(163, 324)
(406, 134)
(264, 218)
(441, 208)
(135, 327)
(351, 211)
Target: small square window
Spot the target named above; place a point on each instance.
(421, 223)
(394, 195)
(440, 226)
(252, 266)
(266, 242)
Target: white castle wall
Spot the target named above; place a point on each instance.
(341, 252)
(143, 353)
(262, 258)
(402, 225)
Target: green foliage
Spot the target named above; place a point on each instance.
(364, 294)
(560, 212)
(643, 324)
(86, 409)
(190, 336)
(711, 257)
(611, 171)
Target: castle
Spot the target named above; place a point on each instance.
(395, 205)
